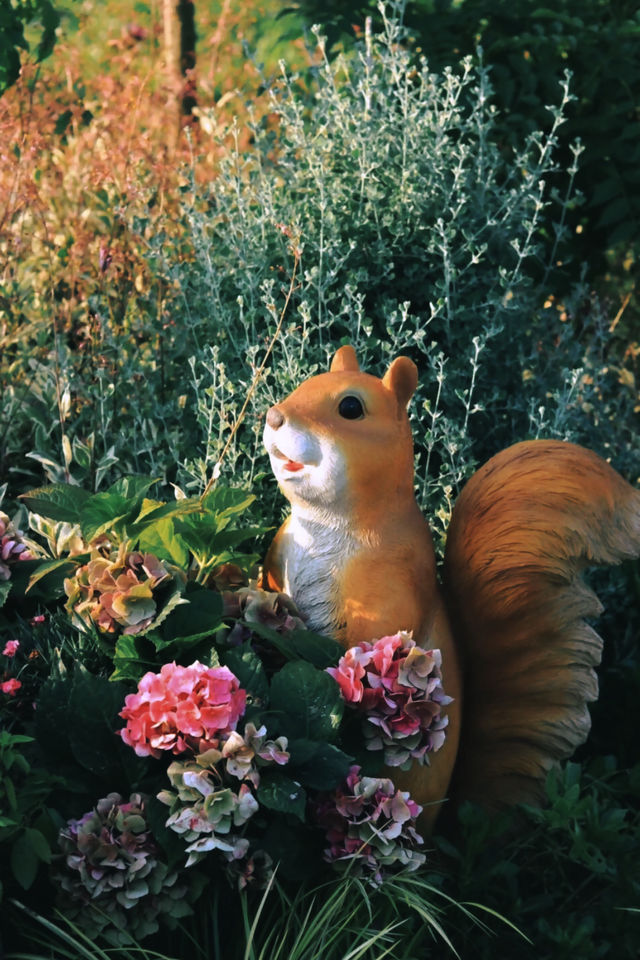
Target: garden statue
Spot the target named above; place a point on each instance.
(509, 619)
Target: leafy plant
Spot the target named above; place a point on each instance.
(14, 17)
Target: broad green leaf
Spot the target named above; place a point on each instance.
(320, 766)
(281, 793)
(39, 844)
(190, 621)
(248, 668)
(169, 604)
(103, 512)
(62, 566)
(161, 539)
(317, 649)
(24, 861)
(176, 508)
(61, 501)
(131, 658)
(226, 501)
(94, 705)
(131, 488)
(306, 701)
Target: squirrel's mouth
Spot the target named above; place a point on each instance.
(291, 466)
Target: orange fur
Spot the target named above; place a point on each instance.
(357, 556)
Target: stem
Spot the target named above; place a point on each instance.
(257, 375)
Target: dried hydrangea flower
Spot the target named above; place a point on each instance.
(265, 608)
(12, 546)
(397, 687)
(204, 811)
(117, 596)
(110, 877)
(370, 827)
(182, 708)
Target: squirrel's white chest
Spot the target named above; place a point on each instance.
(313, 557)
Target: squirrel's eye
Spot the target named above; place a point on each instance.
(351, 408)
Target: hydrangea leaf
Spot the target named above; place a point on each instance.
(321, 766)
(161, 539)
(129, 658)
(60, 501)
(282, 794)
(249, 670)
(306, 701)
(317, 649)
(63, 567)
(24, 860)
(188, 618)
(94, 705)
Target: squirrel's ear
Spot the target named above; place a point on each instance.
(344, 359)
(402, 379)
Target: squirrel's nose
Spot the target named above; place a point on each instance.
(275, 417)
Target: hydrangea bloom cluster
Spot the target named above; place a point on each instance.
(12, 546)
(117, 596)
(109, 865)
(370, 827)
(205, 808)
(397, 686)
(182, 708)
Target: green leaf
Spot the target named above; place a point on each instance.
(200, 617)
(131, 658)
(248, 668)
(131, 488)
(317, 649)
(5, 589)
(280, 793)
(307, 701)
(62, 566)
(320, 766)
(224, 502)
(94, 705)
(24, 861)
(119, 504)
(53, 720)
(61, 501)
(160, 538)
(39, 844)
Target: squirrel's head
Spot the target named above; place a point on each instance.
(343, 438)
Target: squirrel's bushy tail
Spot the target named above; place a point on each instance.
(524, 528)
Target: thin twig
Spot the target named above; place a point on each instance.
(258, 374)
(618, 316)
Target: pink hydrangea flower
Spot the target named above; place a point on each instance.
(182, 708)
(10, 648)
(10, 686)
(397, 687)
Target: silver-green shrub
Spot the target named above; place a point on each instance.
(415, 234)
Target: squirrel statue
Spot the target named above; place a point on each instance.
(357, 557)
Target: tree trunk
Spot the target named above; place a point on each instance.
(180, 60)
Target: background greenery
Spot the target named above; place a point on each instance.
(432, 209)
